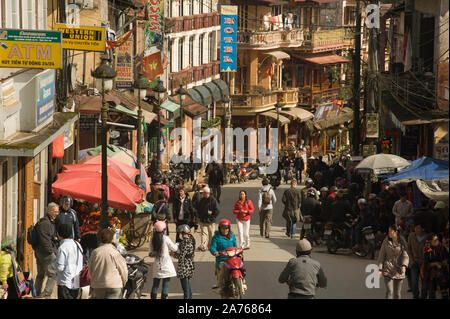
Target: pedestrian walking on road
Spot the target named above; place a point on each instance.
(436, 267)
(45, 251)
(303, 274)
(208, 210)
(243, 208)
(292, 201)
(299, 165)
(183, 212)
(68, 264)
(161, 247)
(161, 211)
(107, 267)
(416, 246)
(67, 215)
(215, 181)
(185, 257)
(393, 260)
(266, 201)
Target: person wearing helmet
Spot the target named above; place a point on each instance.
(308, 185)
(67, 215)
(325, 204)
(303, 274)
(161, 247)
(223, 239)
(185, 255)
(365, 218)
(208, 210)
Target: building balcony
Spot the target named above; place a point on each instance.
(194, 22)
(270, 39)
(324, 40)
(194, 74)
(310, 95)
(258, 102)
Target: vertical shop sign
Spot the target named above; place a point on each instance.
(228, 39)
(124, 65)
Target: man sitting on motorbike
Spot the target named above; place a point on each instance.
(365, 218)
(308, 185)
(311, 206)
(223, 239)
(339, 208)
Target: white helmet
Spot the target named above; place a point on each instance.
(303, 245)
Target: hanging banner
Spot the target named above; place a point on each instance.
(154, 38)
(124, 65)
(68, 135)
(82, 38)
(30, 49)
(372, 126)
(228, 38)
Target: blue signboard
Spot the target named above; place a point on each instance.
(228, 39)
(46, 97)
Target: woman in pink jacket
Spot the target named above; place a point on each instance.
(243, 208)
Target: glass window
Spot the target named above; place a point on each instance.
(180, 54)
(191, 51)
(200, 56)
(211, 47)
(181, 8)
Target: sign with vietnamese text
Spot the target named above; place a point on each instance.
(30, 49)
(124, 65)
(46, 97)
(82, 38)
(228, 39)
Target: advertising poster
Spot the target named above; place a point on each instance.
(228, 39)
(154, 38)
(82, 38)
(30, 49)
(124, 65)
(46, 97)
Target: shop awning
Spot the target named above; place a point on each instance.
(30, 144)
(298, 113)
(279, 55)
(194, 95)
(214, 91)
(195, 109)
(324, 59)
(345, 115)
(148, 116)
(170, 106)
(283, 120)
(223, 87)
(206, 98)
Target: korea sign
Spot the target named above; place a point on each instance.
(82, 38)
(30, 49)
(228, 39)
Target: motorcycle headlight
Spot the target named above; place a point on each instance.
(231, 253)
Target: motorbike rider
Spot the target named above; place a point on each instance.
(339, 208)
(365, 218)
(67, 215)
(311, 206)
(325, 204)
(303, 274)
(223, 239)
(308, 185)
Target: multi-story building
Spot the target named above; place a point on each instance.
(415, 85)
(29, 124)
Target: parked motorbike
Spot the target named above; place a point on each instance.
(244, 174)
(232, 177)
(235, 286)
(334, 235)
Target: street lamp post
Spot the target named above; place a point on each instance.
(141, 86)
(226, 105)
(181, 92)
(278, 107)
(104, 73)
(160, 91)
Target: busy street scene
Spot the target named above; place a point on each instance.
(224, 150)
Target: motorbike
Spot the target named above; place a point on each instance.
(334, 235)
(235, 286)
(368, 244)
(137, 273)
(312, 231)
(232, 177)
(274, 180)
(244, 174)
(137, 276)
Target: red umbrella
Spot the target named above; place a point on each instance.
(130, 171)
(87, 185)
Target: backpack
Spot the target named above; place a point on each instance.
(266, 197)
(32, 235)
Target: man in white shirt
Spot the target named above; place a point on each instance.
(68, 264)
(403, 209)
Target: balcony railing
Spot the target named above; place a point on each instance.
(194, 74)
(258, 101)
(308, 95)
(324, 40)
(283, 38)
(195, 22)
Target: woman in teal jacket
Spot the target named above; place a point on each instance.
(223, 239)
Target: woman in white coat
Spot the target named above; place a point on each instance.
(161, 247)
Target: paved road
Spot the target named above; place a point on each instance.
(268, 257)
